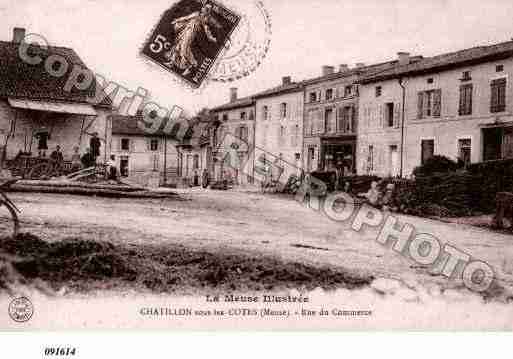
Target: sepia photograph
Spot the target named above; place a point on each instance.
(256, 165)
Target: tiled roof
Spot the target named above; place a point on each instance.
(292, 87)
(363, 71)
(19, 79)
(465, 57)
(129, 125)
(242, 102)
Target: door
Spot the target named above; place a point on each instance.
(394, 161)
(123, 166)
(492, 144)
(427, 150)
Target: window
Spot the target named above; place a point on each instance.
(348, 91)
(265, 113)
(196, 162)
(370, 159)
(243, 116)
(498, 99)
(389, 114)
(295, 136)
(466, 76)
(283, 110)
(313, 96)
(499, 68)
(242, 133)
(125, 144)
(329, 124)
(346, 119)
(282, 132)
(329, 94)
(225, 117)
(465, 100)
(427, 150)
(154, 144)
(429, 103)
(464, 150)
(378, 91)
(430, 80)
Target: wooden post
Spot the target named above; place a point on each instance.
(165, 160)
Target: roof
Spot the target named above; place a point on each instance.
(19, 79)
(282, 89)
(446, 61)
(129, 125)
(242, 102)
(358, 71)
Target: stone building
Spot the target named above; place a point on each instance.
(456, 104)
(279, 129)
(235, 119)
(36, 110)
(141, 157)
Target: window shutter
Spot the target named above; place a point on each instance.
(118, 144)
(437, 103)
(148, 144)
(381, 113)
(420, 105)
(397, 115)
(353, 119)
(131, 143)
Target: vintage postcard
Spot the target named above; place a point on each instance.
(319, 165)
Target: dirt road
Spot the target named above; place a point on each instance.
(254, 224)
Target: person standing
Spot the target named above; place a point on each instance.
(56, 155)
(94, 145)
(42, 136)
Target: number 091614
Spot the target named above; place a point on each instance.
(60, 351)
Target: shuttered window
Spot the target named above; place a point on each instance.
(429, 103)
(498, 99)
(465, 100)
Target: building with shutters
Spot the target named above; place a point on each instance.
(279, 129)
(331, 118)
(458, 105)
(141, 157)
(235, 118)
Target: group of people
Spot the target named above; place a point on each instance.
(376, 198)
(78, 161)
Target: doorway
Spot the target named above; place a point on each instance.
(123, 166)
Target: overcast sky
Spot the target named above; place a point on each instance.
(107, 35)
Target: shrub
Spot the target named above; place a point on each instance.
(436, 164)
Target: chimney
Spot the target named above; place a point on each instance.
(18, 34)
(343, 67)
(359, 65)
(233, 94)
(286, 80)
(327, 70)
(403, 58)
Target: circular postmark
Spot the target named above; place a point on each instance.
(247, 46)
(21, 309)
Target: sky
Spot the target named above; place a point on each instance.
(306, 35)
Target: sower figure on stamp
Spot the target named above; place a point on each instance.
(187, 29)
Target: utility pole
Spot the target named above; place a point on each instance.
(165, 160)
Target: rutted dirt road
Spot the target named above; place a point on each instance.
(232, 222)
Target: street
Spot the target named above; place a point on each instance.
(255, 224)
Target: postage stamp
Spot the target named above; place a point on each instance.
(189, 38)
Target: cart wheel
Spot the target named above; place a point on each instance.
(39, 170)
(8, 219)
